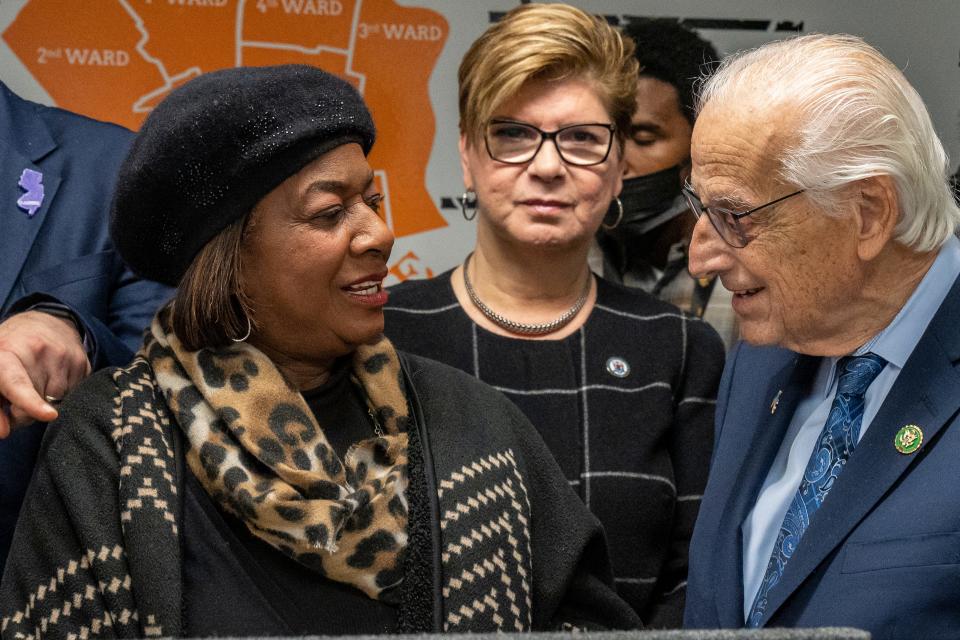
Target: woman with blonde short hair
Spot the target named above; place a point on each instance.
(619, 384)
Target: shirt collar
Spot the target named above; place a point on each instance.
(898, 339)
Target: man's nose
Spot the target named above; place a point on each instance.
(709, 254)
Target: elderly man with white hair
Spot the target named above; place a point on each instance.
(834, 497)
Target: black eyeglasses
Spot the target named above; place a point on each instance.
(728, 223)
(583, 145)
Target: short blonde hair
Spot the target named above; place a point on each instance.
(546, 42)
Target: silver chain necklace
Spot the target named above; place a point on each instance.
(523, 328)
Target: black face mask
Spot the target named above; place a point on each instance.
(648, 202)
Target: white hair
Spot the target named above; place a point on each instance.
(858, 118)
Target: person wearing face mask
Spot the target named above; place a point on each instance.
(645, 246)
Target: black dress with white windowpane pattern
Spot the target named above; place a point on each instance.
(636, 447)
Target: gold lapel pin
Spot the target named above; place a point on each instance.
(776, 402)
(908, 439)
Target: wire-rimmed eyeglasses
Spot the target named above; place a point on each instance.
(728, 223)
(583, 145)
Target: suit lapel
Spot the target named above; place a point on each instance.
(25, 143)
(927, 394)
(753, 450)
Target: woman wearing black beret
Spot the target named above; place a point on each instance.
(268, 463)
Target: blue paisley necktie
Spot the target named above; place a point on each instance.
(833, 448)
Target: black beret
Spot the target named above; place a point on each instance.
(215, 147)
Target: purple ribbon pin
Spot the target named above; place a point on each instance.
(32, 182)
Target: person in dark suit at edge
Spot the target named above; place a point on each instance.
(68, 304)
(821, 190)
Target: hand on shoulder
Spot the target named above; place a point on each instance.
(41, 356)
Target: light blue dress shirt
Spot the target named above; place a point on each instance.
(895, 344)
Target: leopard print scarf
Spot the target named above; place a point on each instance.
(258, 451)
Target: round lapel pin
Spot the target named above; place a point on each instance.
(908, 439)
(618, 367)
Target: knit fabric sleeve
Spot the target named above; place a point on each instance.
(518, 550)
(69, 573)
(691, 446)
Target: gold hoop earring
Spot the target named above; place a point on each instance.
(611, 227)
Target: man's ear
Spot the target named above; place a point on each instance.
(464, 146)
(878, 212)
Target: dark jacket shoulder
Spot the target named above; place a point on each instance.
(633, 299)
(423, 292)
(452, 396)
(446, 380)
(92, 137)
(85, 418)
(67, 126)
(697, 334)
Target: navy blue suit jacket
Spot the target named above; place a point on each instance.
(883, 552)
(63, 252)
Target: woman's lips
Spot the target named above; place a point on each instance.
(368, 292)
(545, 206)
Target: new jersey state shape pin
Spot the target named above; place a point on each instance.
(32, 183)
